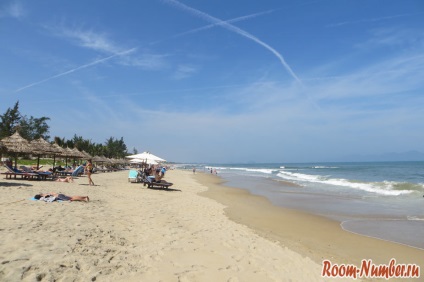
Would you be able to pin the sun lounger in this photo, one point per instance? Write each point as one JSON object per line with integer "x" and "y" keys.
{"x": 63, "y": 172}
{"x": 11, "y": 172}
{"x": 133, "y": 176}
{"x": 78, "y": 171}
{"x": 151, "y": 183}
{"x": 42, "y": 175}
{"x": 74, "y": 173}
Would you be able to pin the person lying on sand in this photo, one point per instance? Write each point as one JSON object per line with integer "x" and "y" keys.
{"x": 62, "y": 197}
{"x": 66, "y": 179}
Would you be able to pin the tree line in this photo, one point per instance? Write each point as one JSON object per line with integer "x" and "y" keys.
{"x": 32, "y": 128}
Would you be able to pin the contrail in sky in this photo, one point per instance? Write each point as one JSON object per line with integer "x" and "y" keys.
{"x": 235, "y": 29}
{"x": 215, "y": 22}
{"x": 214, "y": 25}
{"x": 76, "y": 69}
{"x": 220, "y": 23}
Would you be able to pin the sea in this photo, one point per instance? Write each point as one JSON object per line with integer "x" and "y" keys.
{"x": 383, "y": 200}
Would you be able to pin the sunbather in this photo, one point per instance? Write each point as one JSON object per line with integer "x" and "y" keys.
{"x": 68, "y": 179}
{"x": 8, "y": 163}
{"x": 158, "y": 175}
{"x": 62, "y": 197}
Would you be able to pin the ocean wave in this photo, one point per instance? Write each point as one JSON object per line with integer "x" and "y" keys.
{"x": 415, "y": 218}
{"x": 382, "y": 188}
{"x": 324, "y": 167}
{"x": 261, "y": 170}
{"x": 216, "y": 167}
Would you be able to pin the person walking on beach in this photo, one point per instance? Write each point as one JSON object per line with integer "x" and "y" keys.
{"x": 194, "y": 170}
{"x": 89, "y": 171}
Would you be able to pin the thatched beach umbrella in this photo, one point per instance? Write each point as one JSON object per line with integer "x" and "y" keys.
{"x": 72, "y": 154}
{"x": 65, "y": 152}
{"x": 15, "y": 145}
{"x": 42, "y": 147}
{"x": 60, "y": 152}
{"x": 100, "y": 159}
{"x": 86, "y": 155}
{"x": 97, "y": 159}
{"x": 78, "y": 153}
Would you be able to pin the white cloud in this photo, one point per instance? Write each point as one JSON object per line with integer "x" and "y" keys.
{"x": 89, "y": 39}
{"x": 101, "y": 42}
{"x": 145, "y": 61}
{"x": 383, "y": 37}
{"x": 372, "y": 20}
{"x": 184, "y": 71}
{"x": 13, "y": 10}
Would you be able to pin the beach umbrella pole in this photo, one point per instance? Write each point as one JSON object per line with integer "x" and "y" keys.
{"x": 16, "y": 161}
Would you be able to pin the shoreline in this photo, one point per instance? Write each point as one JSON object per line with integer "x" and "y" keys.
{"x": 310, "y": 235}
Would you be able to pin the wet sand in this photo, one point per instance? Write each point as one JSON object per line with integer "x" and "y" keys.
{"x": 310, "y": 235}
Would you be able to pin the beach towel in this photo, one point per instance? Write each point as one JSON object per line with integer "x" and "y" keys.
{"x": 47, "y": 200}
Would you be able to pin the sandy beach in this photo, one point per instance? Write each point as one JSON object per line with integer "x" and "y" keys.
{"x": 129, "y": 233}
{"x": 197, "y": 231}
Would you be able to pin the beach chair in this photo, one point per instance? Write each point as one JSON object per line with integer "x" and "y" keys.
{"x": 11, "y": 172}
{"x": 63, "y": 173}
{"x": 78, "y": 171}
{"x": 151, "y": 183}
{"x": 42, "y": 175}
{"x": 133, "y": 176}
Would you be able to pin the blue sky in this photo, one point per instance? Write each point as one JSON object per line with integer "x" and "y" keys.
{"x": 221, "y": 81}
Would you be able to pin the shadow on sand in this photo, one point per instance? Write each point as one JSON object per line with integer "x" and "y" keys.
{"x": 11, "y": 184}
{"x": 164, "y": 189}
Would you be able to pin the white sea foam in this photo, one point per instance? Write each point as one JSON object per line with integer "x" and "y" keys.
{"x": 379, "y": 187}
{"x": 414, "y": 218}
{"x": 324, "y": 167}
{"x": 261, "y": 170}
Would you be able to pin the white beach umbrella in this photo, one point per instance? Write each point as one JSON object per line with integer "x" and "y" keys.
{"x": 136, "y": 161}
{"x": 140, "y": 161}
{"x": 152, "y": 162}
{"x": 146, "y": 156}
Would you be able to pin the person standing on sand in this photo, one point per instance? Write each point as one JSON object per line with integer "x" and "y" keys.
{"x": 89, "y": 171}
{"x": 194, "y": 170}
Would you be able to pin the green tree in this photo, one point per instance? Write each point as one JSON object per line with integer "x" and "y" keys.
{"x": 33, "y": 128}
{"x": 10, "y": 121}
{"x": 112, "y": 148}
{"x": 59, "y": 141}
{"x": 115, "y": 148}
{"x": 81, "y": 144}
